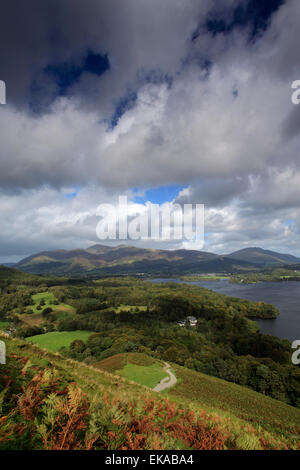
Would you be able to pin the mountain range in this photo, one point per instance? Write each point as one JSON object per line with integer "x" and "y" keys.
{"x": 124, "y": 259}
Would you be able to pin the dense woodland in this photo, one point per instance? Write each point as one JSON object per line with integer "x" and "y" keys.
{"x": 126, "y": 315}
{"x": 288, "y": 273}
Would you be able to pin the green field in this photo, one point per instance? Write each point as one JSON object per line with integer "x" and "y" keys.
{"x": 143, "y": 375}
{"x": 49, "y": 299}
{"x": 128, "y": 308}
{"x": 3, "y": 325}
{"x": 57, "y": 339}
{"x": 60, "y": 310}
{"x": 137, "y": 367}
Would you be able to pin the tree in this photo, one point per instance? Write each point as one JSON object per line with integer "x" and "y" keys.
{"x": 78, "y": 345}
{"x": 130, "y": 347}
{"x": 176, "y": 354}
{"x": 47, "y": 311}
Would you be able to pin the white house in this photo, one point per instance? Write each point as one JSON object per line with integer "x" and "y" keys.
{"x": 193, "y": 321}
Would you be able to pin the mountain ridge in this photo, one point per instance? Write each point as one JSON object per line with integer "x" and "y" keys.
{"x": 259, "y": 255}
{"x": 124, "y": 259}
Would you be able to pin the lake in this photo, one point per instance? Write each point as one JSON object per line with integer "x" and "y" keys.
{"x": 284, "y": 295}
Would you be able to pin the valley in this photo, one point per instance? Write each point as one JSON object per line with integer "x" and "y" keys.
{"x": 97, "y": 337}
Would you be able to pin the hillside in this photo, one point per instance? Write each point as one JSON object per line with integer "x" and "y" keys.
{"x": 214, "y": 394}
{"x": 104, "y": 260}
{"x": 263, "y": 258}
{"x": 12, "y": 274}
{"x": 100, "y": 259}
{"x": 49, "y": 402}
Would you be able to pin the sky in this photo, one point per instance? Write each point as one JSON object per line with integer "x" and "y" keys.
{"x": 180, "y": 101}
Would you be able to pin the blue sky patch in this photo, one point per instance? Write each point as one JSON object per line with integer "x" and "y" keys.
{"x": 287, "y": 223}
{"x": 72, "y": 194}
{"x": 159, "y": 195}
{"x": 67, "y": 74}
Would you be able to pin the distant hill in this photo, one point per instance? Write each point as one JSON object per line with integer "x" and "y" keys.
{"x": 120, "y": 259}
{"x": 263, "y": 258}
{"x": 14, "y": 274}
{"x": 123, "y": 259}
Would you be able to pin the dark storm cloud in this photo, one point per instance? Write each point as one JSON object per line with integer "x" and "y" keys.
{"x": 138, "y": 37}
{"x": 35, "y": 35}
{"x": 291, "y": 125}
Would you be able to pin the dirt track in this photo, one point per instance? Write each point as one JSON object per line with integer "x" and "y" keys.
{"x": 166, "y": 382}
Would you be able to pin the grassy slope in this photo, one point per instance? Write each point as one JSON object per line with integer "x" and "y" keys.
{"x": 15, "y": 274}
{"x": 208, "y": 402}
{"x": 32, "y": 319}
{"x": 228, "y": 398}
{"x": 49, "y": 298}
{"x": 118, "y": 361}
{"x": 36, "y": 318}
{"x": 144, "y": 375}
{"x": 140, "y": 368}
{"x": 57, "y": 339}
{"x": 242, "y": 402}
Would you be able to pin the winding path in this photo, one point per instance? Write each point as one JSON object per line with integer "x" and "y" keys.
{"x": 166, "y": 382}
